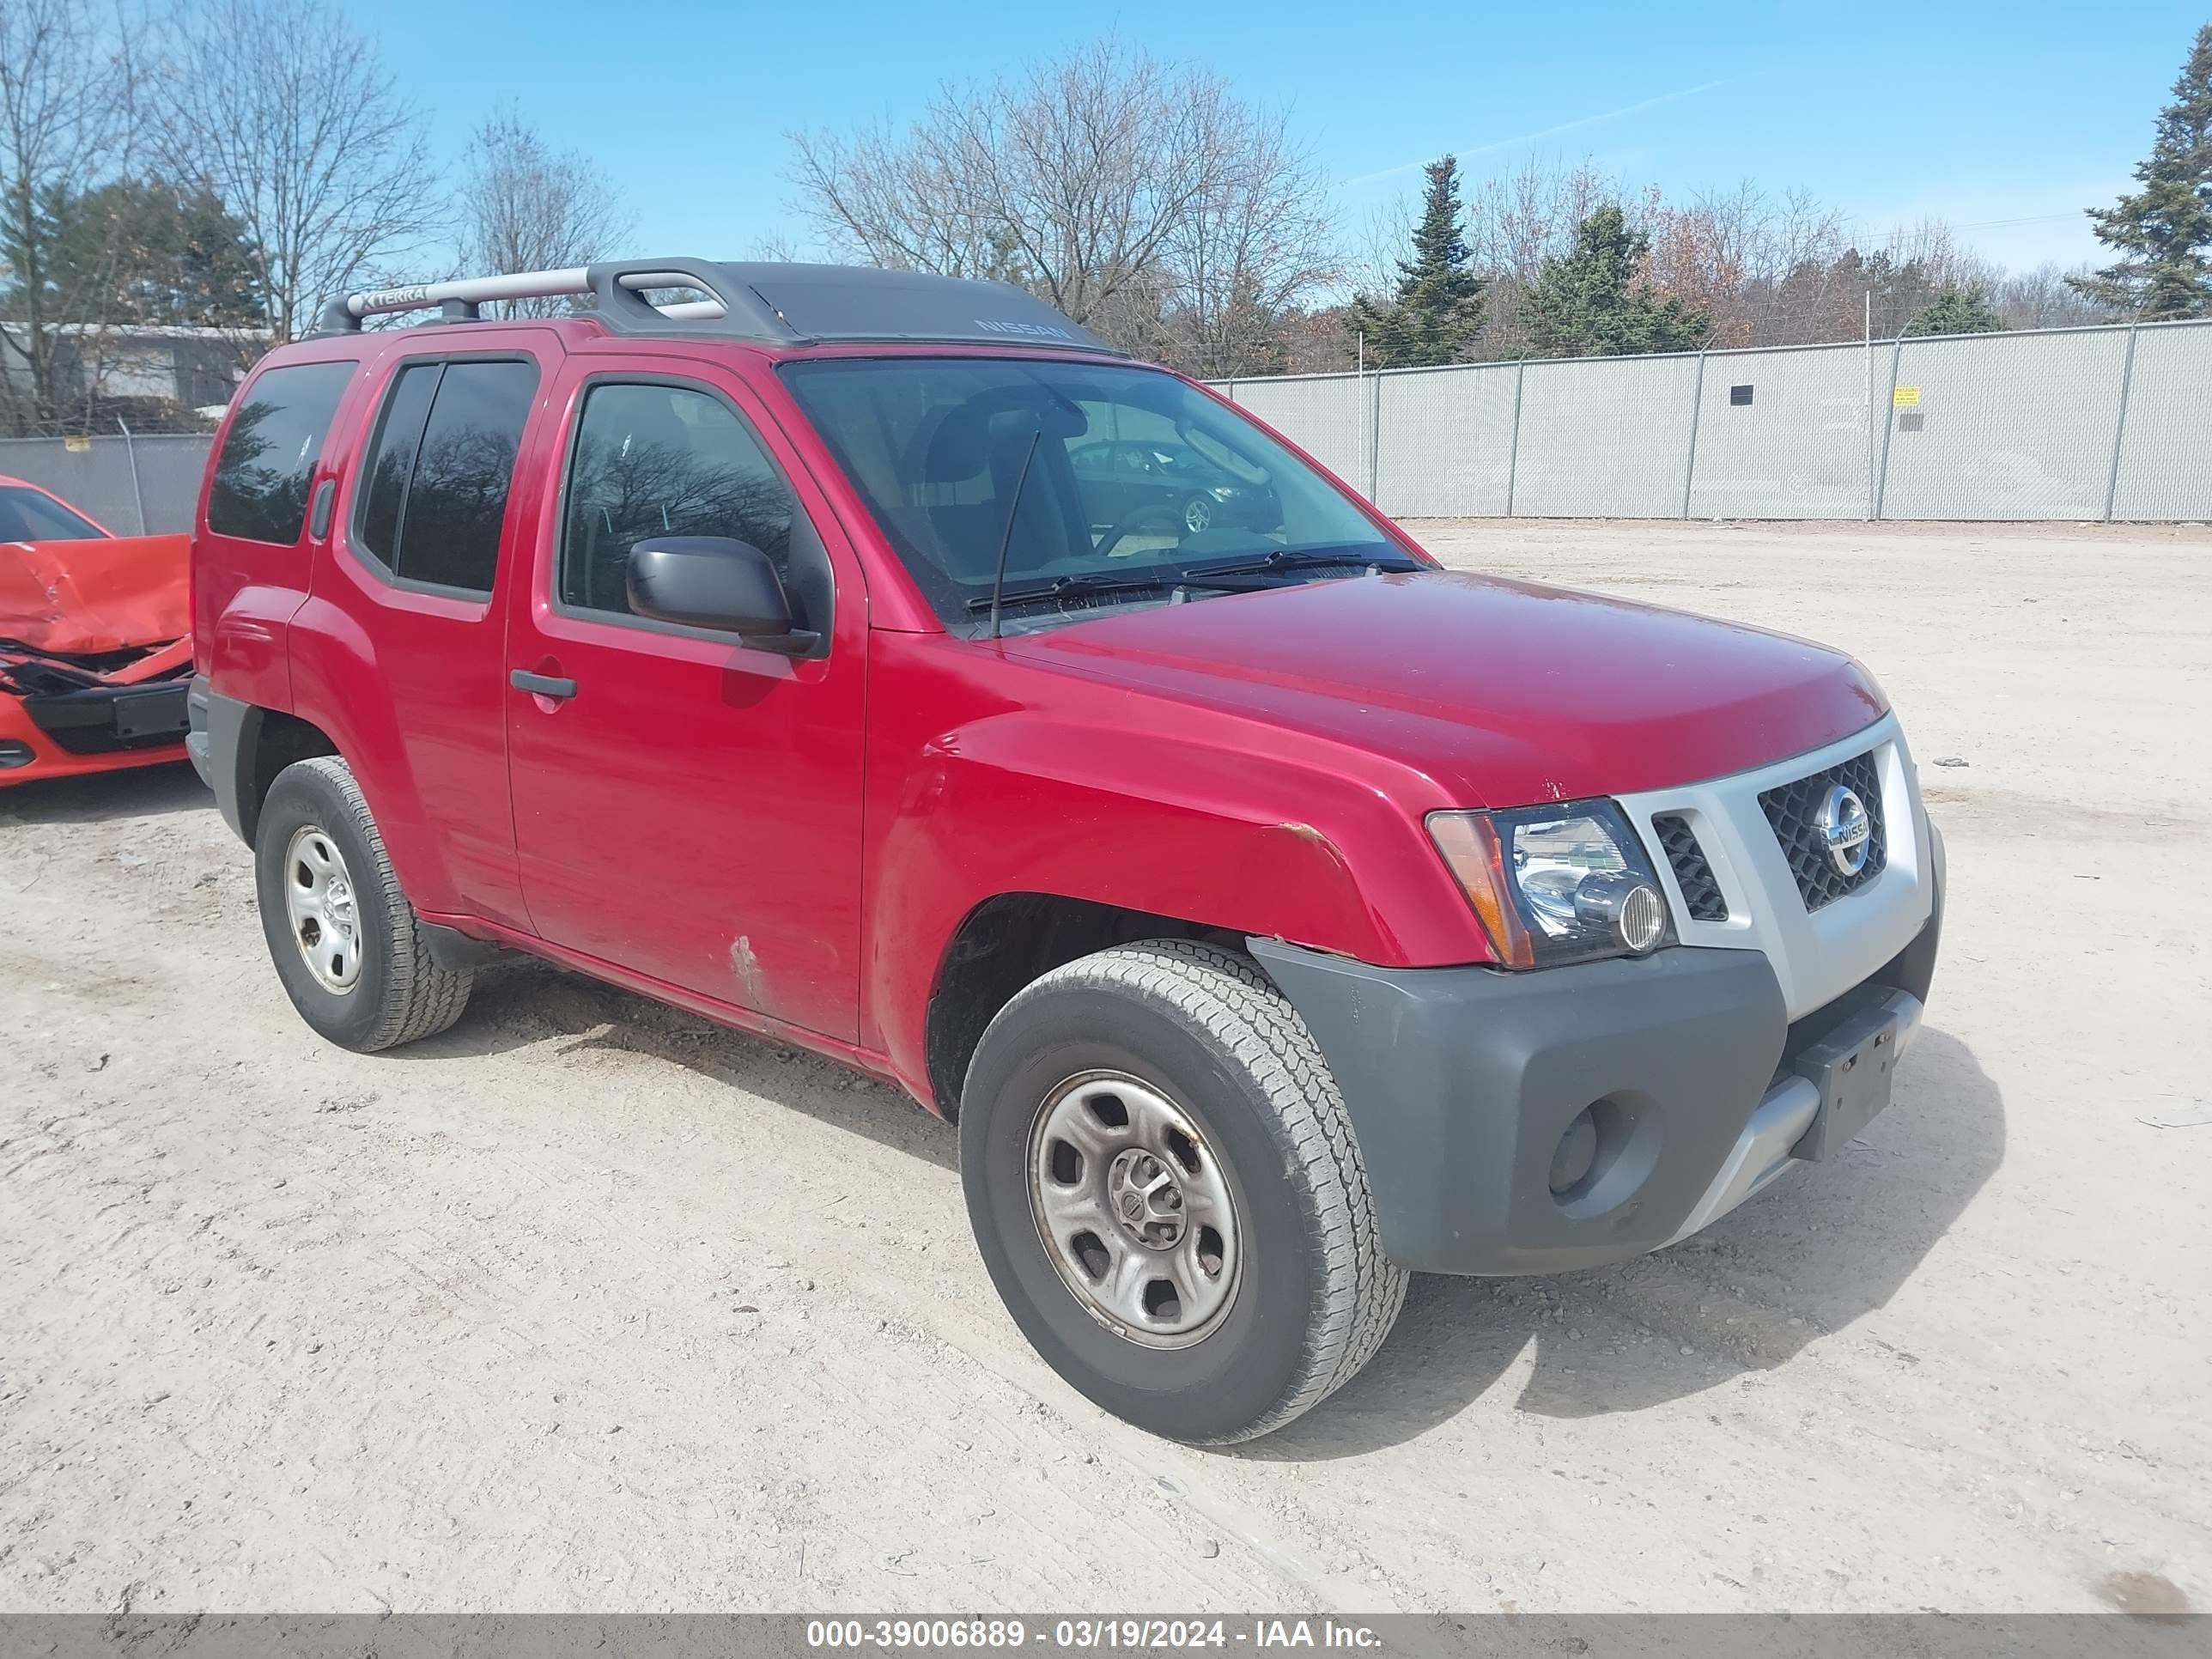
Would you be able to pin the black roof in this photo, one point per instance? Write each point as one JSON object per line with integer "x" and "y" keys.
{"x": 813, "y": 304}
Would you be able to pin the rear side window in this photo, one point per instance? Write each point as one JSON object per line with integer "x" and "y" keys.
{"x": 260, "y": 488}
{"x": 439, "y": 470}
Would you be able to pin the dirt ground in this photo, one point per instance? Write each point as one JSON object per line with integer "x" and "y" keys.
{"x": 589, "y": 1305}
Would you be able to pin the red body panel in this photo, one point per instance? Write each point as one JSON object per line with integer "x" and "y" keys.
{"x": 244, "y": 592}
{"x": 693, "y": 813}
{"x": 988, "y": 773}
{"x": 90, "y": 597}
{"x": 790, "y": 845}
{"x": 1497, "y": 693}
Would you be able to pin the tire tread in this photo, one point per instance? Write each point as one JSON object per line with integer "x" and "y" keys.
{"x": 422, "y": 997}
{"x": 1227, "y": 999}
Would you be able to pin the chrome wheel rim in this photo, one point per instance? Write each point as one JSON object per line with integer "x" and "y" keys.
{"x": 319, "y": 906}
{"x": 1134, "y": 1210}
{"x": 1197, "y": 514}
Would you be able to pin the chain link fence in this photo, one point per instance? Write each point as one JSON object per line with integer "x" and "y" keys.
{"x": 2086, "y": 423}
{"x": 136, "y": 486}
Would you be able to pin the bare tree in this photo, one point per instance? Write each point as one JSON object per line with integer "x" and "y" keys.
{"x": 1138, "y": 195}
{"x": 1731, "y": 254}
{"x": 901, "y": 202}
{"x": 290, "y": 120}
{"x": 1242, "y": 258}
{"x": 2048, "y": 297}
{"x": 1371, "y": 265}
{"x": 527, "y": 206}
{"x": 68, "y": 116}
{"x": 1518, "y": 220}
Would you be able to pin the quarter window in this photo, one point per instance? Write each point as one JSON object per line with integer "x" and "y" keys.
{"x": 259, "y": 491}
{"x": 666, "y": 460}
{"x": 440, "y": 469}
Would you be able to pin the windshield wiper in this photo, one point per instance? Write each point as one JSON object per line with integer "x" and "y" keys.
{"x": 1283, "y": 560}
{"x": 1213, "y": 578}
{"x": 1084, "y": 583}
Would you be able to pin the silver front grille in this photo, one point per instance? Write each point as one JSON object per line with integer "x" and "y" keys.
{"x": 1692, "y": 871}
{"x": 1794, "y": 810}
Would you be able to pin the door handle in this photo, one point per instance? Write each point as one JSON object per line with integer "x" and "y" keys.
{"x": 542, "y": 685}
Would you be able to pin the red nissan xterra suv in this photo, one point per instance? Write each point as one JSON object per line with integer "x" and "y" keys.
{"x": 880, "y": 663}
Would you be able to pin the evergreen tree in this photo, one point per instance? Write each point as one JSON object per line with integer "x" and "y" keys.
{"x": 1588, "y": 304}
{"x": 154, "y": 252}
{"x": 1436, "y": 316}
{"x": 2163, "y": 232}
{"x": 1956, "y": 311}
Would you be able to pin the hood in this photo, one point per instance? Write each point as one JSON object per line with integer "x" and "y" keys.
{"x": 1504, "y": 693}
{"x": 85, "y": 598}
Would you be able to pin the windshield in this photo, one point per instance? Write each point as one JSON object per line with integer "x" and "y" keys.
{"x": 1136, "y": 485}
{"x": 26, "y": 515}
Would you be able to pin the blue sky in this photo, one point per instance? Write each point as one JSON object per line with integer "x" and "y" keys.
{"x": 2005, "y": 119}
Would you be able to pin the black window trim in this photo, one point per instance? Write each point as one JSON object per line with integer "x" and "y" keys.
{"x": 361, "y": 464}
{"x": 551, "y": 589}
{"x": 324, "y": 465}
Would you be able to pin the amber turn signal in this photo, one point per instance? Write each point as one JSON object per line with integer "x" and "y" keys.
{"x": 1476, "y": 857}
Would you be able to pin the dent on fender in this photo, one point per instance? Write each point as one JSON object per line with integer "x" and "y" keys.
{"x": 1306, "y": 832}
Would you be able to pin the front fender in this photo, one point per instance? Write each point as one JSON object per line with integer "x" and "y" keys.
{"x": 1261, "y": 843}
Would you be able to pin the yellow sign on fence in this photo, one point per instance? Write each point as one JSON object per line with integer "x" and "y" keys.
{"x": 76, "y": 445}
{"x": 1905, "y": 397}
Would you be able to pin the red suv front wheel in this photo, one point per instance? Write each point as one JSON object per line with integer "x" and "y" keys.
{"x": 1165, "y": 1189}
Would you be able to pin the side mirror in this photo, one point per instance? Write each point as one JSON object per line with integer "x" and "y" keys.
{"x": 717, "y": 582}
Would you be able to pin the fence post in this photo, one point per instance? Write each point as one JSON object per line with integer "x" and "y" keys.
{"x": 2120, "y": 426}
{"x": 1697, "y": 408}
{"x": 1513, "y": 449}
{"x": 1375, "y": 439}
{"x": 1888, "y": 426}
{"x": 137, "y": 493}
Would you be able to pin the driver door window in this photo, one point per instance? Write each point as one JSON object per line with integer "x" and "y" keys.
{"x": 653, "y": 459}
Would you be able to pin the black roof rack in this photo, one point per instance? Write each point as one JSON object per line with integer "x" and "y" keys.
{"x": 773, "y": 304}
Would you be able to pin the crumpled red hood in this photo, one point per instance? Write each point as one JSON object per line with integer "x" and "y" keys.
{"x": 66, "y": 598}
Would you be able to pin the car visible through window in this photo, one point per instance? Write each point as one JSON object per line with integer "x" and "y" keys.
{"x": 1103, "y": 482}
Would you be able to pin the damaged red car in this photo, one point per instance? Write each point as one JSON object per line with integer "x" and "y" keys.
{"x": 95, "y": 641}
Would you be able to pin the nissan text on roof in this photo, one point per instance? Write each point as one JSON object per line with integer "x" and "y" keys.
{"x": 1275, "y": 912}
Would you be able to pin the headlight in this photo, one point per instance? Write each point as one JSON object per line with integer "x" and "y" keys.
{"x": 1568, "y": 883}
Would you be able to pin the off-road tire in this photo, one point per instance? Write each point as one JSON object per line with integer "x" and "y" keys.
{"x": 1209, "y": 1030}
{"x": 403, "y": 993}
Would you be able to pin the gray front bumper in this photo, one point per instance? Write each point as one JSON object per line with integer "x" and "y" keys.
{"x": 1776, "y": 1138}
{"x": 1461, "y": 1081}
